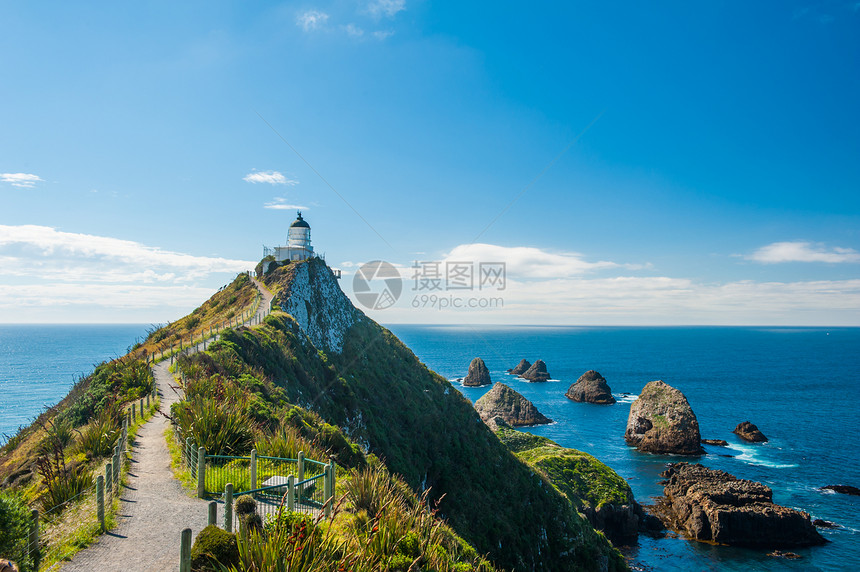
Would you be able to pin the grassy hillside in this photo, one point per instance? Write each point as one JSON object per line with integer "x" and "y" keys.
{"x": 327, "y": 380}
{"x": 59, "y": 454}
{"x": 377, "y": 392}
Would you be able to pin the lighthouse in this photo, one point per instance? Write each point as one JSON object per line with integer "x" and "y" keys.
{"x": 298, "y": 242}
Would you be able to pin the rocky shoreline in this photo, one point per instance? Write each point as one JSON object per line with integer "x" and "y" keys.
{"x": 715, "y": 506}
{"x": 700, "y": 503}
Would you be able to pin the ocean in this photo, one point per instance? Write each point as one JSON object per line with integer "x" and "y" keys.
{"x": 798, "y": 385}
{"x": 40, "y": 363}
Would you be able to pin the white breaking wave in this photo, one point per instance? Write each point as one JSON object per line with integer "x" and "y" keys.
{"x": 753, "y": 455}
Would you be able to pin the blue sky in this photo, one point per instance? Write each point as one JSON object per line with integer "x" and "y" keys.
{"x": 631, "y": 163}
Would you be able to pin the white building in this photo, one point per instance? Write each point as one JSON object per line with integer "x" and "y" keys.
{"x": 298, "y": 242}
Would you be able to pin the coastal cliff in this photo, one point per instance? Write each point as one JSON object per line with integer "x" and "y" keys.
{"x": 356, "y": 375}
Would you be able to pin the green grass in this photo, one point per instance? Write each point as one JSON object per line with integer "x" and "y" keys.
{"x": 379, "y": 394}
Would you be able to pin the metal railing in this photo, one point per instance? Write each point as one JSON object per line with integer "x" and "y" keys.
{"x": 302, "y": 485}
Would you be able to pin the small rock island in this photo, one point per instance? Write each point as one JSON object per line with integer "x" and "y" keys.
{"x": 591, "y": 387}
{"x": 478, "y": 374}
{"x": 517, "y": 411}
{"x": 520, "y": 368}
{"x": 537, "y": 372}
{"x": 749, "y": 432}
{"x": 662, "y": 421}
{"x": 714, "y": 506}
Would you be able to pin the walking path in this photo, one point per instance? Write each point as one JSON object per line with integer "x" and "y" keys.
{"x": 153, "y": 506}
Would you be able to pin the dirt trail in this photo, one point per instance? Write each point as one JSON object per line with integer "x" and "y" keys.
{"x": 153, "y": 506}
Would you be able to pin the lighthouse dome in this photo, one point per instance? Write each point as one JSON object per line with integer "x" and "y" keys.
{"x": 300, "y": 222}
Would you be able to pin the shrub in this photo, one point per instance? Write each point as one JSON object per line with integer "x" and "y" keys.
{"x": 15, "y": 524}
{"x": 223, "y": 428}
{"x": 286, "y": 444}
{"x": 58, "y": 433}
{"x": 62, "y": 482}
{"x": 245, "y": 505}
{"x": 371, "y": 490}
{"x": 212, "y": 547}
{"x": 344, "y": 453}
{"x": 98, "y": 438}
{"x": 114, "y": 381}
{"x": 288, "y": 521}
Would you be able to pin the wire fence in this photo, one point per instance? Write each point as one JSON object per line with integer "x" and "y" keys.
{"x": 97, "y": 496}
{"x": 275, "y": 483}
{"x": 252, "y": 316}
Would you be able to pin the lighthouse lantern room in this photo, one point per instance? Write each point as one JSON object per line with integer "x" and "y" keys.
{"x": 298, "y": 242}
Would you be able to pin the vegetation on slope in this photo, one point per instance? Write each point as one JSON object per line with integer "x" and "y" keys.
{"x": 382, "y": 398}
{"x": 381, "y": 524}
{"x": 57, "y": 456}
{"x": 582, "y": 478}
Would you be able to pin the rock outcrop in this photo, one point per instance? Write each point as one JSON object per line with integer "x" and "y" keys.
{"x": 505, "y": 403}
{"x": 537, "y": 372}
{"x": 714, "y": 506}
{"x": 662, "y": 421}
{"x": 591, "y": 387}
{"x": 716, "y": 442}
{"x": 478, "y": 374}
{"x": 520, "y": 368}
{"x": 749, "y": 432}
{"x": 312, "y": 296}
{"x": 843, "y": 489}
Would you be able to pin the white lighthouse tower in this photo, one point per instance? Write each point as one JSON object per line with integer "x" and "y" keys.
{"x": 298, "y": 242}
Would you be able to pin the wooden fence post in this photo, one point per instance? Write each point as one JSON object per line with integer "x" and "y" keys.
{"x": 100, "y": 499}
{"x": 301, "y": 468}
{"x": 109, "y": 478}
{"x": 34, "y": 538}
{"x": 228, "y": 507}
{"x": 213, "y": 513}
{"x": 141, "y": 409}
{"x": 327, "y": 491}
{"x": 201, "y": 472}
{"x": 116, "y": 467}
{"x": 185, "y": 551}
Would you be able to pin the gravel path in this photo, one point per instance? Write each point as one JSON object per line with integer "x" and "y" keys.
{"x": 153, "y": 506}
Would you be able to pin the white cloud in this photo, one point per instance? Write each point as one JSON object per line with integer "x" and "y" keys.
{"x": 112, "y": 297}
{"x": 531, "y": 263}
{"x": 387, "y": 8}
{"x": 638, "y": 300}
{"x": 382, "y": 34}
{"x": 353, "y": 31}
{"x": 281, "y": 204}
{"x": 801, "y": 251}
{"x": 23, "y": 180}
{"x": 561, "y": 288}
{"x": 311, "y": 20}
{"x": 271, "y": 177}
{"x": 46, "y": 253}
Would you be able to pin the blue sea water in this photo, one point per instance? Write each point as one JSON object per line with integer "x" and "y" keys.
{"x": 799, "y": 385}
{"x": 39, "y": 364}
